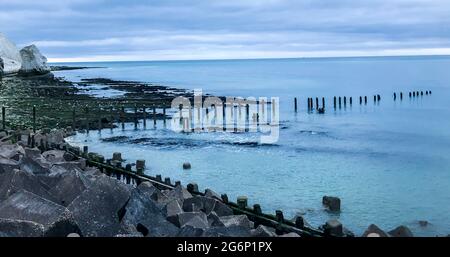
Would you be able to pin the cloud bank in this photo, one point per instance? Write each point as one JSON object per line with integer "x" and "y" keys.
{"x": 112, "y": 30}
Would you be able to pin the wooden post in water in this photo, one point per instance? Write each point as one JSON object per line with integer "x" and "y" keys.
{"x": 360, "y": 100}
{"x": 242, "y": 202}
{"x": 154, "y": 116}
{"x": 401, "y": 95}
{"x": 122, "y": 117}
{"x": 334, "y": 100}
{"x": 144, "y": 114}
{"x": 164, "y": 114}
{"x": 135, "y": 116}
{"x": 295, "y": 104}
{"x": 351, "y": 100}
{"x": 395, "y": 96}
{"x": 345, "y": 101}
{"x": 34, "y": 119}
{"x": 340, "y": 101}
{"x": 317, "y": 103}
{"x": 365, "y": 99}
{"x": 323, "y": 103}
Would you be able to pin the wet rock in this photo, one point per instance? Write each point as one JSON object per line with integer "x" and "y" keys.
{"x": 96, "y": 209}
{"x": 7, "y": 165}
{"x": 144, "y": 213}
{"x": 12, "y": 151}
{"x": 423, "y": 223}
{"x": 214, "y": 220}
{"x": 292, "y": 234}
{"x": 182, "y": 219}
{"x": 33, "y": 62}
{"x": 73, "y": 235}
{"x": 374, "y": 231}
{"x": 236, "y": 220}
{"x": 211, "y": 194}
{"x": 20, "y": 228}
{"x": 55, "y": 156}
{"x": 186, "y": 166}
{"x": 69, "y": 187}
{"x": 34, "y": 166}
{"x": 334, "y": 228}
{"x": 207, "y": 205}
{"x": 172, "y": 208}
{"x": 153, "y": 193}
{"x": 189, "y": 231}
{"x": 401, "y": 231}
{"x": 332, "y": 203}
{"x": 198, "y": 222}
{"x": 23, "y": 205}
{"x": 232, "y": 231}
{"x": 16, "y": 180}
{"x": 263, "y": 231}
{"x": 179, "y": 193}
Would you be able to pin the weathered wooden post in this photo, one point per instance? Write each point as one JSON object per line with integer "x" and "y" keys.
{"x": 365, "y": 99}
{"x": 317, "y": 103}
{"x": 374, "y": 98}
{"x": 86, "y": 112}
{"x": 279, "y": 216}
{"x": 257, "y": 209}
{"x": 4, "y": 117}
{"x": 85, "y": 149}
{"x": 351, "y": 100}
{"x": 135, "y": 116}
{"x": 360, "y": 100}
{"x": 345, "y": 101}
{"x": 378, "y": 98}
{"x": 421, "y": 93}
{"x": 154, "y": 116}
{"x": 164, "y": 114}
{"x": 140, "y": 166}
{"x": 34, "y": 119}
{"x": 401, "y": 95}
{"x": 73, "y": 118}
{"x": 323, "y": 103}
{"x": 144, "y": 114}
{"x": 409, "y": 94}
{"x": 242, "y": 202}
{"x": 295, "y": 104}
{"x": 414, "y": 93}
{"x": 340, "y": 100}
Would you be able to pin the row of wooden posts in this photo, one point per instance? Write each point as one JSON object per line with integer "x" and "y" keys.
{"x": 338, "y": 101}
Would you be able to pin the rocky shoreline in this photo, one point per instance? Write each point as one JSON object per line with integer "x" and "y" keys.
{"x": 55, "y": 194}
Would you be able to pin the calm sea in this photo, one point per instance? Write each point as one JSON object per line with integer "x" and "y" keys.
{"x": 388, "y": 162}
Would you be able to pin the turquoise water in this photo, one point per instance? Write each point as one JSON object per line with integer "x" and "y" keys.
{"x": 388, "y": 162}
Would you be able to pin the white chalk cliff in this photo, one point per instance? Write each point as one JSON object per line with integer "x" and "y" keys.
{"x": 33, "y": 62}
{"x": 9, "y": 55}
{"x": 28, "y": 61}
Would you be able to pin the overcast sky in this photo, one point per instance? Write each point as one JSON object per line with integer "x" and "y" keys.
{"x": 101, "y": 30}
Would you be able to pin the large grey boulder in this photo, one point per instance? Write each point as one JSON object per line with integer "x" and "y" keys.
{"x": 263, "y": 231}
{"x": 374, "y": 231}
{"x": 179, "y": 193}
{"x": 153, "y": 193}
{"x": 20, "y": 228}
{"x": 194, "y": 219}
{"x": 56, "y": 219}
{"x": 16, "y": 180}
{"x": 96, "y": 209}
{"x": 145, "y": 214}
{"x": 332, "y": 203}
{"x": 207, "y": 205}
{"x": 69, "y": 187}
{"x": 12, "y": 151}
{"x": 401, "y": 231}
{"x": 232, "y": 231}
{"x": 33, "y": 62}
{"x": 237, "y": 220}
{"x": 9, "y": 55}
{"x": 8, "y": 165}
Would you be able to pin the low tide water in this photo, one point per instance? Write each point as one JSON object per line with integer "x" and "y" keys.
{"x": 389, "y": 162}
